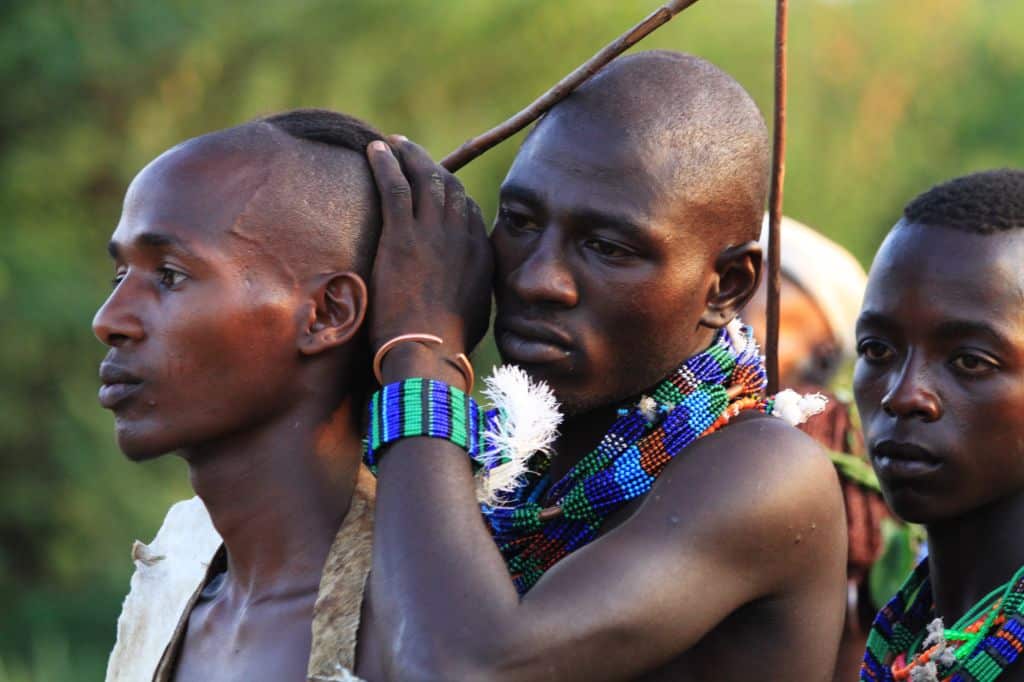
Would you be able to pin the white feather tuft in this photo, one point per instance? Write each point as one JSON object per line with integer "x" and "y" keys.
{"x": 737, "y": 335}
{"x": 795, "y": 409}
{"x": 648, "y": 407}
{"x": 529, "y": 424}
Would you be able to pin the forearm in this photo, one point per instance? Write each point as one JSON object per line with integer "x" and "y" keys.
{"x": 439, "y": 584}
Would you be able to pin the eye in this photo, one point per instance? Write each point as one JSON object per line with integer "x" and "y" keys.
{"x": 170, "y": 278}
{"x": 874, "y": 351}
{"x": 515, "y": 221}
{"x": 973, "y": 364}
{"x": 606, "y": 248}
{"x": 118, "y": 276}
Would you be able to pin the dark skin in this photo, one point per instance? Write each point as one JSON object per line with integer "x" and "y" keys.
{"x": 808, "y": 357}
{"x": 940, "y": 389}
{"x": 740, "y": 544}
{"x": 218, "y": 350}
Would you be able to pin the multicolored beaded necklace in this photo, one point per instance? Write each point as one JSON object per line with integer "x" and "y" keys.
{"x": 978, "y": 648}
{"x": 696, "y": 399}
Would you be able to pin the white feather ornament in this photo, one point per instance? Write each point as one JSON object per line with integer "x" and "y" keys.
{"x": 529, "y": 425}
{"x": 795, "y": 409}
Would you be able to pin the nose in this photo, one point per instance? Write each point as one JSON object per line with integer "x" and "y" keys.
{"x": 543, "y": 276}
{"x": 910, "y": 396}
{"x": 116, "y": 322}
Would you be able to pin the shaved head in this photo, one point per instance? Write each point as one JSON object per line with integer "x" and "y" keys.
{"x": 239, "y": 292}
{"x": 700, "y": 135}
{"x": 293, "y": 189}
{"x": 630, "y": 215}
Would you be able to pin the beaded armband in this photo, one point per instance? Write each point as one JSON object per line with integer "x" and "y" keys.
{"x": 423, "y": 407}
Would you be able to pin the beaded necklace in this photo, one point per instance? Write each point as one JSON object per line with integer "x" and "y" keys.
{"x": 696, "y": 399}
{"x": 978, "y": 648}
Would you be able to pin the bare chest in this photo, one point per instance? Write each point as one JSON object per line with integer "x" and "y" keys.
{"x": 268, "y": 641}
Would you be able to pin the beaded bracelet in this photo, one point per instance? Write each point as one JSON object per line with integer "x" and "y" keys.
{"x": 423, "y": 407}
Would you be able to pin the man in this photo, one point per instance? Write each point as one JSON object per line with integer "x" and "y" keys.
{"x": 822, "y": 288}
{"x": 625, "y": 243}
{"x": 235, "y": 335}
{"x": 940, "y": 388}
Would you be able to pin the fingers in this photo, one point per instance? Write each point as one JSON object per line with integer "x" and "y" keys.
{"x": 411, "y": 184}
{"x": 395, "y": 192}
{"x": 454, "y": 203}
{"x": 426, "y": 177}
{"x": 475, "y": 219}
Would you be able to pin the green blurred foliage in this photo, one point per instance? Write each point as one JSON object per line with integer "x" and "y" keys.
{"x": 886, "y": 99}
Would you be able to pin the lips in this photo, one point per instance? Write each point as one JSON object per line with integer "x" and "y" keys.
{"x": 531, "y": 342}
{"x": 897, "y": 460}
{"x": 118, "y": 385}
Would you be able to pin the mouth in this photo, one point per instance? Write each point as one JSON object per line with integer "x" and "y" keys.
{"x": 896, "y": 460}
{"x": 118, "y": 384}
{"x": 531, "y": 343}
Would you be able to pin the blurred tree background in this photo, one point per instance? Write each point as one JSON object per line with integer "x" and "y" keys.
{"x": 886, "y": 99}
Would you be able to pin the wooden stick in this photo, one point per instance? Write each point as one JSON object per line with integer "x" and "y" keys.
{"x": 476, "y": 146}
{"x": 775, "y": 198}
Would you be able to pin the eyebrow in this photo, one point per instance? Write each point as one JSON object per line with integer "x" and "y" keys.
{"x": 151, "y": 240}
{"x": 956, "y": 328}
{"x": 868, "y": 318}
{"x": 611, "y": 220}
{"x": 946, "y": 329}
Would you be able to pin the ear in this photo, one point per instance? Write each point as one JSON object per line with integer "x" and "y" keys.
{"x": 337, "y": 314}
{"x": 737, "y": 272}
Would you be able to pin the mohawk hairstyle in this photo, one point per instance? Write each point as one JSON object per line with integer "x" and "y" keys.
{"x": 329, "y": 127}
{"x": 337, "y": 132}
{"x": 983, "y": 203}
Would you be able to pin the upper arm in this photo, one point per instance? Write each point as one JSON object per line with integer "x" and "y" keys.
{"x": 750, "y": 512}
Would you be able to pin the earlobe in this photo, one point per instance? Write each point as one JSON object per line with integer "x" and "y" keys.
{"x": 737, "y": 272}
{"x": 337, "y": 314}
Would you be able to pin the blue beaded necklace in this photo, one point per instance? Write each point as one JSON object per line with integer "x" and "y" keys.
{"x": 692, "y": 401}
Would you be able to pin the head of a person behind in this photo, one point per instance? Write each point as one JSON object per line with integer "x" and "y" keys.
{"x": 627, "y": 227}
{"x": 821, "y": 288}
{"x": 939, "y": 381}
{"x": 239, "y": 295}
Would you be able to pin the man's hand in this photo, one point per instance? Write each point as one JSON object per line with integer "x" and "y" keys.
{"x": 432, "y": 273}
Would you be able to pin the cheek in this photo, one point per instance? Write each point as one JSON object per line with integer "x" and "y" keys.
{"x": 230, "y": 348}
{"x": 992, "y": 429}
{"x": 868, "y": 390}
{"x": 505, "y": 255}
{"x": 644, "y": 334}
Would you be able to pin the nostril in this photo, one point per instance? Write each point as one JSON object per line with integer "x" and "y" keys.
{"x": 116, "y": 340}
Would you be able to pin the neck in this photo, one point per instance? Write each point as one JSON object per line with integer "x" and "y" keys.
{"x": 578, "y": 435}
{"x": 971, "y": 555}
{"x": 581, "y": 432}
{"x": 277, "y": 495}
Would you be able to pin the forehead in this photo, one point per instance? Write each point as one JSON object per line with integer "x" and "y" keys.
{"x": 925, "y": 275}
{"x": 195, "y": 191}
{"x": 590, "y": 165}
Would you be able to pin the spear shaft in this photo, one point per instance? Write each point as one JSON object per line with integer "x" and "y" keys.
{"x": 775, "y": 198}
{"x": 472, "y": 148}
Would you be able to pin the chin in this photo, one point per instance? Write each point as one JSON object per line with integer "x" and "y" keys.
{"x": 139, "y": 447}
{"x": 914, "y": 507}
{"x": 580, "y": 402}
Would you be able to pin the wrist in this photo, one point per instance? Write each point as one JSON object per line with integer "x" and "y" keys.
{"x": 413, "y": 359}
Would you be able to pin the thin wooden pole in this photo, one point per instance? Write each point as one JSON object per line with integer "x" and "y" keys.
{"x": 775, "y": 198}
{"x": 476, "y": 146}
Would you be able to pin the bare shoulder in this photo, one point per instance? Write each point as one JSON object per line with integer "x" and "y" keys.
{"x": 762, "y": 455}
{"x": 753, "y": 492}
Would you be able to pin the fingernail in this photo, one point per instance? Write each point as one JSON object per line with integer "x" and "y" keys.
{"x": 402, "y": 138}
{"x": 378, "y": 146}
